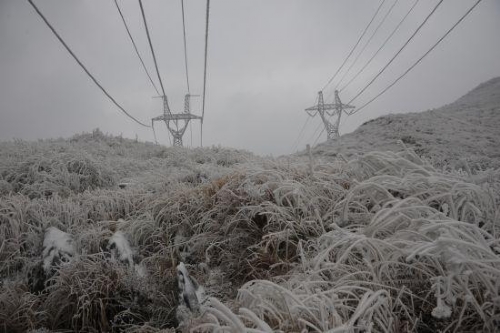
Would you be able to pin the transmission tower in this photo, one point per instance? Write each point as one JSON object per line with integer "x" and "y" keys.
{"x": 332, "y": 130}
{"x": 174, "y": 119}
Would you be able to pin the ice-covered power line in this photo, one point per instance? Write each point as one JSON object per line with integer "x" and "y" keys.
{"x": 82, "y": 65}
{"x": 367, "y": 43}
{"x": 397, "y": 53}
{"x": 354, "y": 47}
{"x": 381, "y": 46}
{"x": 185, "y": 45}
{"x": 419, "y": 59}
{"x": 205, "y": 71}
{"x": 135, "y": 47}
{"x": 151, "y": 47}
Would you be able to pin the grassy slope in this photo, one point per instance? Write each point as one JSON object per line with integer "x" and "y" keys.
{"x": 382, "y": 242}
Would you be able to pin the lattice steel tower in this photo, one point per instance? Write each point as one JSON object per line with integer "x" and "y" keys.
{"x": 168, "y": 117}
{"x": 332, "y": 130}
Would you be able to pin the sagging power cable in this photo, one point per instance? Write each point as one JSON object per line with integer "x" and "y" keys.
{"x": 205, "y": 71}
{"x": 381, "y": 46}
{"x": 151, "y": 47}
{"x": 135, "y": 47}
{"x": 83, "y": 66}
{"x": 397, "y": 53}
{"x": 420, "y": 59}
{"x": 354, "y": 47}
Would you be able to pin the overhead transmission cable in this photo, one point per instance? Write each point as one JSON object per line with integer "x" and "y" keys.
{"x": 164, "y": 96}
{"x": 152, "y": 49}
{"x": 185, "y": 44}
{"x": 83, "y": 66}
{"x": 367, "y": 43}
{"x": 397, "y": 53}
{"x": 354, "y": 47}
{"x": 205, "y": 71}
{"x": 186, "y": 63}
{"x": 381, "y": 46}
{"x": 421, "y": 58}
{"x": 135, "y": 47}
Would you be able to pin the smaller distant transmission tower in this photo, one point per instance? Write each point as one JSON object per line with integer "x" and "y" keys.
{"x": 332, "y": 130}
{"x": 168, "y": 117}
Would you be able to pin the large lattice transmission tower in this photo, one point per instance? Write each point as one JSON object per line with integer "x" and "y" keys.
{"x": 179, "y": 120}
{"x": 333, "y": 109}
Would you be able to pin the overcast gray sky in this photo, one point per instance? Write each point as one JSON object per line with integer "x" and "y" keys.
{"x": 267, "y": 61}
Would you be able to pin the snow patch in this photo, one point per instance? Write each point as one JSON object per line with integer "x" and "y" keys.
{"x": 58, "y": 247}
{"x": 120, "y": 249}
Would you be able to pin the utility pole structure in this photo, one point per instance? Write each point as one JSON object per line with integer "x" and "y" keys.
{"x": 332, "y": 130}
{"x": 168, "y": 117}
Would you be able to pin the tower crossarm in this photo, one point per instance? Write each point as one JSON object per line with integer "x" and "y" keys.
{"x": 177, "y": 116}
{"x": 330, "y": 106}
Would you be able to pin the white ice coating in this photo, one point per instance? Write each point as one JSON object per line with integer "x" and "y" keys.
{"x": 57, "y": 245}
{"x": 121, "y": 249}
{"x": 190, "y": 292}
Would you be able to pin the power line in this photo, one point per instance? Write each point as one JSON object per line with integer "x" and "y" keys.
{"x": 151, "y": 46}
{"x": 205, "y": 71}
{"x": 83, "y": 66}
{"x": 397, "y": 53}
{"x": 185, "y": 46}
{"x": 421, "y": 58}
{"x": 382, "y": 46}
{"x": 135, "y": 47}
{"x": 186, "y": 62}
{"x": 367, "y": 42}
{"x": 352, "y": 50}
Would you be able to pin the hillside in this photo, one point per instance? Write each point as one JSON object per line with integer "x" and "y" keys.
{"x": 104, "y": 234}
{"x": 463, "y": 134}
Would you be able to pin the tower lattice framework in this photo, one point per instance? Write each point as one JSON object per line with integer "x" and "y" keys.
{"x": 332, "y": 109}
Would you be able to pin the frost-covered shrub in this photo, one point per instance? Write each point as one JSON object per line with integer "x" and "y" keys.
{"x": 381, "y": 243}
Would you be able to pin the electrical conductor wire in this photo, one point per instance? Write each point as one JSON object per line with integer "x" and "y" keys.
{"x": 83, "y": 66}
{"x": 397, "y": 53}
{"x": 135, "y": 47}
{"x": 352, "y": 50}
{"x": 420, "y": 59}
{"x": 367, "y": 43}
{"x": 381, "y": 46}
{"x": 205, "y": 71}
{"x": 151, "y": 47}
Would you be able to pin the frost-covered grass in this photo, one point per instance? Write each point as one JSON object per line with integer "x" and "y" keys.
{"x": 380, "y": 243}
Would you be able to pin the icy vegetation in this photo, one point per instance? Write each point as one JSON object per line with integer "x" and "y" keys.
{"x": 230, "y": 242}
